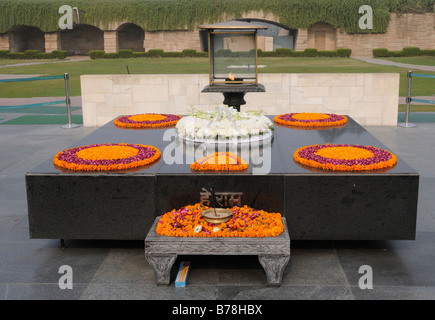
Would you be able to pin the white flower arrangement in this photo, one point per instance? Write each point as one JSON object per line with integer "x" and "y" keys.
{"x": 224, "y": 123}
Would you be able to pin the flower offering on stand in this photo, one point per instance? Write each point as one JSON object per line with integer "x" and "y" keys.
{"x": 245, "y": 222}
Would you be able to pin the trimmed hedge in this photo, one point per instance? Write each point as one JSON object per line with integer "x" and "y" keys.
{"x": 96, "y": 54}
{"x": 33, "y": 54}
{"x": 405, "y": 52}
{"x": 190, "y": 53}
{"x": 309, "y": 52}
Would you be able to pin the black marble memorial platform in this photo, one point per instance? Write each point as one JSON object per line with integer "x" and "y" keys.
{"x": 317, "y": 205}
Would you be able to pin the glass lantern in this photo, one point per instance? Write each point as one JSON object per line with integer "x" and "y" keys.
{"x": 232, "y": 48}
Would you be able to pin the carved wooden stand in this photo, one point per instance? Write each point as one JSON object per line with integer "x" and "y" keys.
{"x": 273, "y": 252}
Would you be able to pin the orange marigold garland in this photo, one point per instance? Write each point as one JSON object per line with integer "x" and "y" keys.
{"x": 344, "y": 157}
{"x": 147, "y": 120}
{"x": 220, "y": 161}
{"x": 105, "y": 157}
{"x": 246, "y": 222}
{"x": 311, "y": 119}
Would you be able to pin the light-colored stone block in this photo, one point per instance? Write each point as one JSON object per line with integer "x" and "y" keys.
{"x": 356, "y": 94}
{"x": 153, "y": 79}
{"x": 119, "y": 100}
{"x": 339, "y": 91}
{"x": 150, "y": 93}
{"x": 365, "y": 97}
{"x": 146, "y": 107}
{"x": 336, "y": 80}
{"x": 305, "y": 108}
{"x": 307, "y": 80}
{"x": 297, "y": 97}
{"x": 331, "y": 104}
{"x": 314, "y": 92}
{"x": 96, "y": 84}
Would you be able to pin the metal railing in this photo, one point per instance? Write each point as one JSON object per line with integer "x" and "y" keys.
{"x": 409, "y": 99}
{"x": 67, "y": 100}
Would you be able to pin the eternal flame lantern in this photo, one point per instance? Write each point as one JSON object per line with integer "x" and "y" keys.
{"x": 233, "y": 63}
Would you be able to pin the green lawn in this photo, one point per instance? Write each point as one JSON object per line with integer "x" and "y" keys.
{"x": 417, "y": 108}
{"x": 56, "y": 88}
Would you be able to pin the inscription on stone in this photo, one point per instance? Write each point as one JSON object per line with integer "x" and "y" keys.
{"x": 224, "y": 199}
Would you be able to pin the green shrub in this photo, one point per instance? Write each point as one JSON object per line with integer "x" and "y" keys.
{"x": 326, "y": 54}
{"x": 140, "y": 54}
{"x": 428, "y": 53}
{"x": 282, "y": 52}
{"x": 173, "y": 54}
{"x": 31, "y": 54}
{"x": 380, "y": 52}
{"x": 189, "y": 53}
{"x": 298, "y": 54}
{"x": 16, "y": 55}
{"x": 125, "y": 53}
{"x": 405, "y": 52}
{"x": 344, "y": 52}
{"x": 44, "y": 55}
{"x": 111, "y": 55}
{"x": 410, "y": 52}
{"x": 202, "y": 54}
{"x": 59, "y": 54}
{"x": 4, "y": 54}
{"x": 261, "y": 53}
{"x": 310, "y": 52}
{"x": 155, "y": 53}
{"x": 397, "y": 53}
{"x": 96, "y": 54}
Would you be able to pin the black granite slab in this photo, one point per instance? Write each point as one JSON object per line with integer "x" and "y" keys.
{"x": 318, "y": 205}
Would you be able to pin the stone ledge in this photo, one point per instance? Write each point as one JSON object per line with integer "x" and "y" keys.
{"x": 366, "y": 96}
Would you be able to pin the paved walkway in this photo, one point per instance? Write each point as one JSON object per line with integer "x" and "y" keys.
{"x": 397, "y": 64}
{"x": 68, "y": 59}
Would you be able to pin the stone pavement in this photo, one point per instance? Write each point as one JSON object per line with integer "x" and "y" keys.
{"x": 397, "y": 64}
{"x": 29, "y": 268}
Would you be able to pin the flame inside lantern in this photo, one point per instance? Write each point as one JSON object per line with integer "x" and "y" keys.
{"x": 230, "y": 76}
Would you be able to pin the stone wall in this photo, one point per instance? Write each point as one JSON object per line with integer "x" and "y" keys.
{"x": 173, "y": 40}
{"x": 82, "y": 39}
{"x": 407, "y": 30}
{"x": 4, "y": 41}
{"x": 370, "y": 99}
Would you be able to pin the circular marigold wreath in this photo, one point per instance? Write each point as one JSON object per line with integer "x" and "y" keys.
{"x": 220, "y": 161}
{"x": 344, "y": 157}
{"x": 147, "y": 120}
{"x": 105, "y": 157}
{"x": 311, "y": 119}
